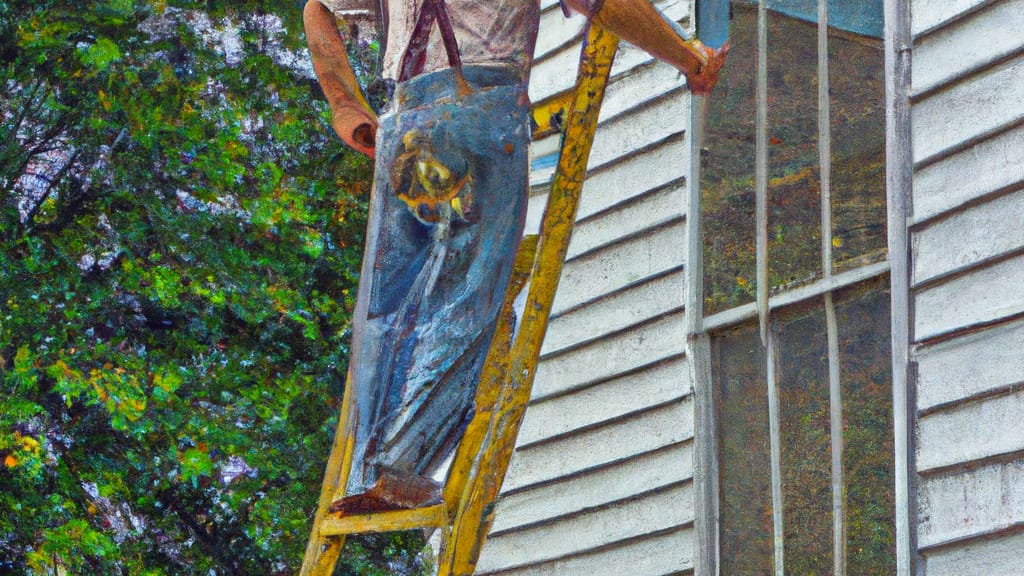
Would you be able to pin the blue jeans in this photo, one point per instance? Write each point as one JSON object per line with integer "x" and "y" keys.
{"x": 428, "y": 299}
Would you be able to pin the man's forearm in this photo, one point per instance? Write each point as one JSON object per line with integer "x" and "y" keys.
{"x": 351, "y": 116}
{"x": 639, "y": 23}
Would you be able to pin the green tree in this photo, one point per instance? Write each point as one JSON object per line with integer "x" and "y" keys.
{"x": 180, "y": 236}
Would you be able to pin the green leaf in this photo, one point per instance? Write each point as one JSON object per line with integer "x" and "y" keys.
{"x": 194, "y": 464}
{"x": 101, "y": 54}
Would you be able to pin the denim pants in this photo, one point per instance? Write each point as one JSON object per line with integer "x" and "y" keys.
{"x": 428, "y": 298}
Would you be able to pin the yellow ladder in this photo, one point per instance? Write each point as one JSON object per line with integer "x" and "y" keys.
{"x": 482, "y": 457}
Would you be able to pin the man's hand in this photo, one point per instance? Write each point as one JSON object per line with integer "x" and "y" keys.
{"x": 704, "y": 79}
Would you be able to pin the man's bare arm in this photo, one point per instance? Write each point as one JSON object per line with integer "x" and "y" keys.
{"x": 351, "y": 116}
{"x": 639, "y": 23}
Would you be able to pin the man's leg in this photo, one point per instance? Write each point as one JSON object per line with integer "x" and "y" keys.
{"x": 418, "y": 356}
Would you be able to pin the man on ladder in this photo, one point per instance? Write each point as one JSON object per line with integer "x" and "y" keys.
{"x": 446, "y": 215}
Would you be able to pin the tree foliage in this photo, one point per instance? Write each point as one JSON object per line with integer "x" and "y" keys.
{"x": 180, "y": 236}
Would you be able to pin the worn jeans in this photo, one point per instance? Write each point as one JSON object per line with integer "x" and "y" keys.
{"x": 428, "y": 301}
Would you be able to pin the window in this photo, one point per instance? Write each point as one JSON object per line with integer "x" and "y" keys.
{"x": 791, "y": 322}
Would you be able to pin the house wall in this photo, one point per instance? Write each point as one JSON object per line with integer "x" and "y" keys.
{"x": 601, "y": 479}
{"x": 966, "y": 301}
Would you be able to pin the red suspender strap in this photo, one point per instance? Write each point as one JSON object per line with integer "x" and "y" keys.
{"x": 447, "y": 34}
{"x": 415, "y": 56}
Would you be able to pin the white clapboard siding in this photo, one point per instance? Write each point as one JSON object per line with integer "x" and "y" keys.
{"x": 614, "y": 313}
{"x": 979, "y": 105}
{"x": 555, "y": 72}
{"x": 603, "y": 190}
{"x": 589, "y": 530}
{"x": 931, "y": 14}
{"x": 598, "y": 274}
{"x": 618, "y": 482}
{"x": 624, "y": 135}
{"x": 933, "y": 64}
{"x": 662, "y": 554}
{"x": 604, "y": 402}
{"x": 967, "y": 271}
{"x": 975, "y": 234}
{"x": 983, "y": 558}
{"x": 972, "y": 366}
{"x": 654, "y": 209}
{"x": 559, "y": 31}
{"x": 650, "y": 80}
{"x": 993, "y": 165}
{"x": 978, "y": 502}
{"x": 982, "y": 297}
{"x": 602, "y": 360}
{"x": 591, "y": 448}
{"x": 974, "y": 431}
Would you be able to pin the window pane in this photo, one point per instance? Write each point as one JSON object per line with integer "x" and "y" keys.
{"x": 794, "y": 180}
{"x": 745, "y": 508}
{"x": 858, "y": 148}
{"x": 727, "y": 172}
{"x": 804, "y": 418}
{"x": 868, "y": 455}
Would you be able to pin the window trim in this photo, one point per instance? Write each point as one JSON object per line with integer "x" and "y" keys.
{"x": 899, "y": 174}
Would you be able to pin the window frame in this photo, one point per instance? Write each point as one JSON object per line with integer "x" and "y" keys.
{"x": 700, "y": 328}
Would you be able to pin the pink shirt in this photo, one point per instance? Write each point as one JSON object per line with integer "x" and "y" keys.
{"x": 487, "y": 31}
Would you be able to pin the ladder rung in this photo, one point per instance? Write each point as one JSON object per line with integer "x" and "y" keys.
{"x": 429, "y": 517}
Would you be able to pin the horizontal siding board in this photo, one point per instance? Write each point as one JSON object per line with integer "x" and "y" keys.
{"x": 658, "y": 555}
{"x": 977, "y": 106}
{"x": 983, "y": 296}
{"x": 622, "y": 481}
{"x": 993, "y": 165}
{"x": 633, "y": 89}
{"x": 983, "y": 558}
{"x": 642, "y": 84}
{"x": 629, "y": 178}
{"x": 627, "y": 133}
{"x": 1000, "y": 24}
{"x": 556, "y": 72}
{"x": 623, "y": 264}
{"x": 623, "y": 135}
{"x": 656, "y": 167}
{"x": 975, "y": 234}
{"x": 589, "y": 530}
{"x": 970, "y": 366}
{"x": 557, "y": 31}
{"x": 929, "y": 14}
{"x": 610, "y": 357}
{"x": 606, "y": 401}
{"x": 617, "y": 311}
{"x": 972, "y": 503}
{"x": 974, "y": 431}
{"x": 646, "y": 212}
{"x": 601, "y": 446}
